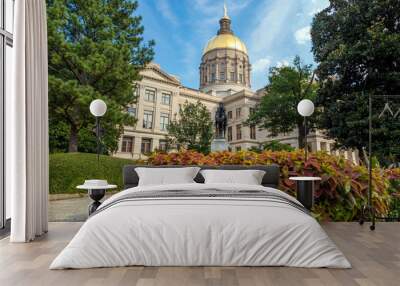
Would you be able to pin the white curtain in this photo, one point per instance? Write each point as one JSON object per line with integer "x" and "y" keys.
{"x": 27, "y": 124}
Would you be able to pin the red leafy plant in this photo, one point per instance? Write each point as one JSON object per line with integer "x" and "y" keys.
{"x": 341, "y": 193}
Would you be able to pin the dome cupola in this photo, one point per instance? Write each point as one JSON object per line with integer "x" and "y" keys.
{"x": 225, "y": 39}
{"x": 225, "y": 66}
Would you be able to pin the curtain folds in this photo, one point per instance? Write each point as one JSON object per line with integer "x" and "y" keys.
{"x": 27, "y": 118}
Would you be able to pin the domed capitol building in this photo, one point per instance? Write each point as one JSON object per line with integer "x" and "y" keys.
{"x": 225, "y": 73}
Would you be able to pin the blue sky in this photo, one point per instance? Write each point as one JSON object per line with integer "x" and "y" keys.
{"x": 274, "y": 31}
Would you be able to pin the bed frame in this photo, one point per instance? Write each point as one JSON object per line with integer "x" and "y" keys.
{"x": 270, "y": 179}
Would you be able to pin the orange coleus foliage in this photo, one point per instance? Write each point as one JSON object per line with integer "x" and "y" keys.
{"x": 342, "y": 191}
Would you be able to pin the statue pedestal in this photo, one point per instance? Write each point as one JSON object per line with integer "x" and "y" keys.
{"x": 219, "y": 144}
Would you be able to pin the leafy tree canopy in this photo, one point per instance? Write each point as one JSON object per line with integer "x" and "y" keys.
{"x": 96, "y": 50}
{"x": 357, "y": 46}
{"x": 193, "y": 127}
{"x": 277, "y": 146}
{"x": 273, "y": 145}
{"x": 277, "y": 111}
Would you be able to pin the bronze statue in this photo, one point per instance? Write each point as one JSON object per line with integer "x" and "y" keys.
{"x": 220, "y": 121}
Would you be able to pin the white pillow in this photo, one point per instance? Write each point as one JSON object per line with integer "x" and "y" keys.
{"x": 166, "y": 176}
{"x": 248, "y": 177}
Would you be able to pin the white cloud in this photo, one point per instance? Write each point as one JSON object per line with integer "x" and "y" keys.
{"x": 271, "y": 20}
{"x": 259, "y": 71}
{"x": 261, "y": 65}
{"x": 206, "y": 15}
{"x": 303, "y": 35}
{"x": 210, "y": 7}
{"x": 317, "y": 6}
{"x": 282, "y": 63}
{"x": 166, "y": 11}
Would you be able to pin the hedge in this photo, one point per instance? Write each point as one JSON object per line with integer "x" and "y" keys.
{"x": 68, "y": 170}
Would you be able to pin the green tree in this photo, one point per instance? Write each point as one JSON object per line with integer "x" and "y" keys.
{"x": 277, "y": 111}
{"x": 96, "y": 50}
{"x": 277, "y": 146}
{"x": 273, "y": 145}
{"x": 357, "y": 47}
{"x": 193, "y": 127}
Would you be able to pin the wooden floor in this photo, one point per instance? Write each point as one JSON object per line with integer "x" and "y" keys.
{"x": 375, "y": 257}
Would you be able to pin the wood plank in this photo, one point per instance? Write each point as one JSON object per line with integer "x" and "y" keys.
{"x": 375, "y": 257}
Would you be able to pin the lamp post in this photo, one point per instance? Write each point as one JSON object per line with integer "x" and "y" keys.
{"x": 305, "y": 184}
{"x": 305, "y": 108}
{"x": 98, "y": 108}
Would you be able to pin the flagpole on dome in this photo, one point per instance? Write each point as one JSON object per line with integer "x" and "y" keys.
{"x": 225, "y": 11}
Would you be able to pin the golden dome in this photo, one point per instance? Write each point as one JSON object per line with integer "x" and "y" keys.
{"x": 225, "y": 41}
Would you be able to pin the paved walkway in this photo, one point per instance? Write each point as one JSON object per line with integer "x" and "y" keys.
{"x": 74, "y": 209}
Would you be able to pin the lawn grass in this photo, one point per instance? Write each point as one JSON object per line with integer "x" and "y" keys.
{"x": 68, "y": 170}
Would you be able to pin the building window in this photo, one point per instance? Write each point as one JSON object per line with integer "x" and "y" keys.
{"x": 232, "y": 76}
{"x": 166, "y": 98}
{"x": 150, "y": 95}
{"x": 162, "y": 145}
{"x": 164, "y": 121}
{"x": 239, "y": 131}
{"x": 230, "y": 133}
{"x": 238, "y": 112}
{"x": 148, "y": 119}
{"x": 6, "y": 65}
{"x": 146, "y": 145}
{"x": 131, "y": 111}
{"x": 251, "y": 110}
{"x": 252, "y": 132}
{"x": 229, "y": 114}
{"x": 238, "y": 148}
{"x": 205, "y": 78}
{"x": 136, "y": 91}
{"x": 213, "y": 72}
{"x": 323, "y": 146}
{"x": 127, "y": 144}
{"x": 240, "y": 77}
{"x": 222, "y": 72}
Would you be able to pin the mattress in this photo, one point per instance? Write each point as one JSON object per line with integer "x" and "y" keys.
{"x": 201, "y": 225}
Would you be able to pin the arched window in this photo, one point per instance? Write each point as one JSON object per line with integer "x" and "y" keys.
{"x": 222, "y": 71}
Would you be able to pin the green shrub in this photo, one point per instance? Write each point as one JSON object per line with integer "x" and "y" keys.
{"x": 277, "y": 146}
{"x": 68, "y": 170}
{"x": 272, "y": 146}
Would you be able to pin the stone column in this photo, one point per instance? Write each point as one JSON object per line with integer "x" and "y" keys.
{"x": 137, "y": 146}
{"x": 139, "y": 107}
{"x": 156, "y": 111}
{"x": 155, "y": 142}
{"x": 217, "y": 63}
{"x": 236, "y": 69}
{"x": 226, "y": 68}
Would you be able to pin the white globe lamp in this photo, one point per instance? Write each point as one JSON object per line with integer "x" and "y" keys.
{"x": 98, "y": 107}
{"x": 305, "y": 108}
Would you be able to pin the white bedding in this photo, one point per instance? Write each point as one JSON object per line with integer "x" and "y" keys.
{"x": 200, "y": 231}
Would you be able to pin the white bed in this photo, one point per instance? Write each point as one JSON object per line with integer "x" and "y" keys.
{"x": 202, "y": 231}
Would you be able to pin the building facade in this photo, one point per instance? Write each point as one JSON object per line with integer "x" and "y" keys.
{"x": 224, "y": 76}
